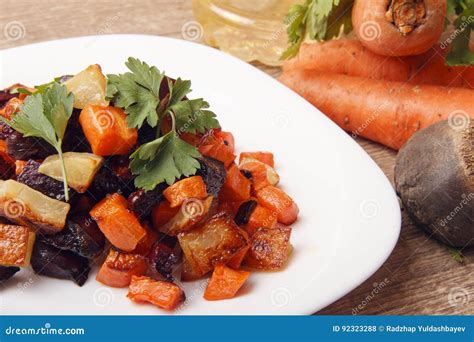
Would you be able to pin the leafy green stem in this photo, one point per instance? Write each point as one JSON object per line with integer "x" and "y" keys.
{"x": 63, "y": 169}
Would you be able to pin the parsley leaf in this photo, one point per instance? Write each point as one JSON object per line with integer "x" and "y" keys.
{"x": 137, "y": 92}
{"x": 193, "y": 116}
{"x": 168, "y": 157}
{"x": 165, "y": 159}
{"x": 456, "y": 254}
{"x": 460, "y": 52}
{"x": 45, "y": 115}
{"x": 317, "y": 20}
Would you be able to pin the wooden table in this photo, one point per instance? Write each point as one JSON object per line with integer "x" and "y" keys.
{"x": 420, "y": 277}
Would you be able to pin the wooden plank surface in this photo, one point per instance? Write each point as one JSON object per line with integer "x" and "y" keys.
{"x": 420, "y": 277}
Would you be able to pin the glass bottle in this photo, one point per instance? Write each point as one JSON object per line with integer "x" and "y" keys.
{"x": 252, "y": 30}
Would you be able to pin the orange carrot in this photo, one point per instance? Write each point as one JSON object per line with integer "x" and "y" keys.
{"x": 229, "y": 207}
{"x": 120, "y": 226}
{"x": 8, "y": 164}
{"x": 350, "y": 57}
{"x": 262, "y": 174}
{"x": 236, "y": 186}
{"x": 264, "y": 157}
{"x": 118, "y": 268}
{"x": 227, "y": 137}
{"x": 224, "y": 283}
{"x": 385, "y": 112}
{"x": 12, "y": 107}
{"x": 279, "y": 202}
{"x": 146, "y": 243}
{"x": 220, "y": 146}
{"x": 261, "y": 217}
{"x": 163, "y": 294}
{"x": 192, "y": 187}
{"x": 398, "y": 28}
{"x": 107, "y": 131}
{"x": 162, "y": 213}
{"x": 19, "y": 165}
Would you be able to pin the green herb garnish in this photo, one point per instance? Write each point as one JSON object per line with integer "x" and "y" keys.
{"x": 41, "y": 88}
{"x": 317, "y": 20}
{"x": 460, "y": 53}
{"x": 456, "y": 254}
{"x": 168, "y": 157}
{"x": 45, "y": 115}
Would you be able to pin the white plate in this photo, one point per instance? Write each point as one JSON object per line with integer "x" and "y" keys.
{"x": 350, "y": 217}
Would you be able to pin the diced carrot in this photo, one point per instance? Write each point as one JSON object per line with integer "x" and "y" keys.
{"x": 229, "y": 207}
{"x": 238, "y": 258}
{"x": 107, "y": 130}
{"x": 12, "y": 106}
{"x": 120, "y": 226}
{"x": 236, "y": 186}
{"x": 278, "y": 201}
{"x": 261, "y": 217}
{"x": 227, "y": 137}
{"x": 19, "y": 165}
{"x": 144, "y": 245}
{"x": 7, "y": 165}
{"x": 192, "y": 187}
{"x": 16, "y": 245}
{"x": 118, "y": 268}
{"x": 163, "y": 294}
{"x": 219, "y": 148}
{"x": 224, "y": 283}
{"x": 162, "y": 213}
{"x": 264, "y": 157}
{"x": 262, "y": 174}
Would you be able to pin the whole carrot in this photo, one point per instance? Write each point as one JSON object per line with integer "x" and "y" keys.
{"x": 399, "y": 27}
{"x": 350, "y": 57}
{"x": 383, "y": 111}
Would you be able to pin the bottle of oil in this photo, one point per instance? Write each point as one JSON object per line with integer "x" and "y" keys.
{"x": 252, "y": 30}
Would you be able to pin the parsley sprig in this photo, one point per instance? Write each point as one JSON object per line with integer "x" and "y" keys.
{"x": 317, "y": 20}
{"x": 463, "y": 12}
{"x": 168, "y": 157}
{"x": 45, "y": 115}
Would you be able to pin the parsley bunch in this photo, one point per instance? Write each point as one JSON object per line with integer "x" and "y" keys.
{"x": 45, "y": 114}
{"x": 168, "y": 157}
{"x": 317, "y": 20}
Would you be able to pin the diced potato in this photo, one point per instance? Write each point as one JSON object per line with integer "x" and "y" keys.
{"x": 216, "y": 241}
{"x": 238, "y": 258}
{"x": 191, "y": 213}
{"x": 16, "y": 245}
{"x": 269, "y": 249}
{"x": 81, "y": 169}
{"x": 88, "y": 87}
{"x": 23, "y": 205}
{"x": 187, "y": 272}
